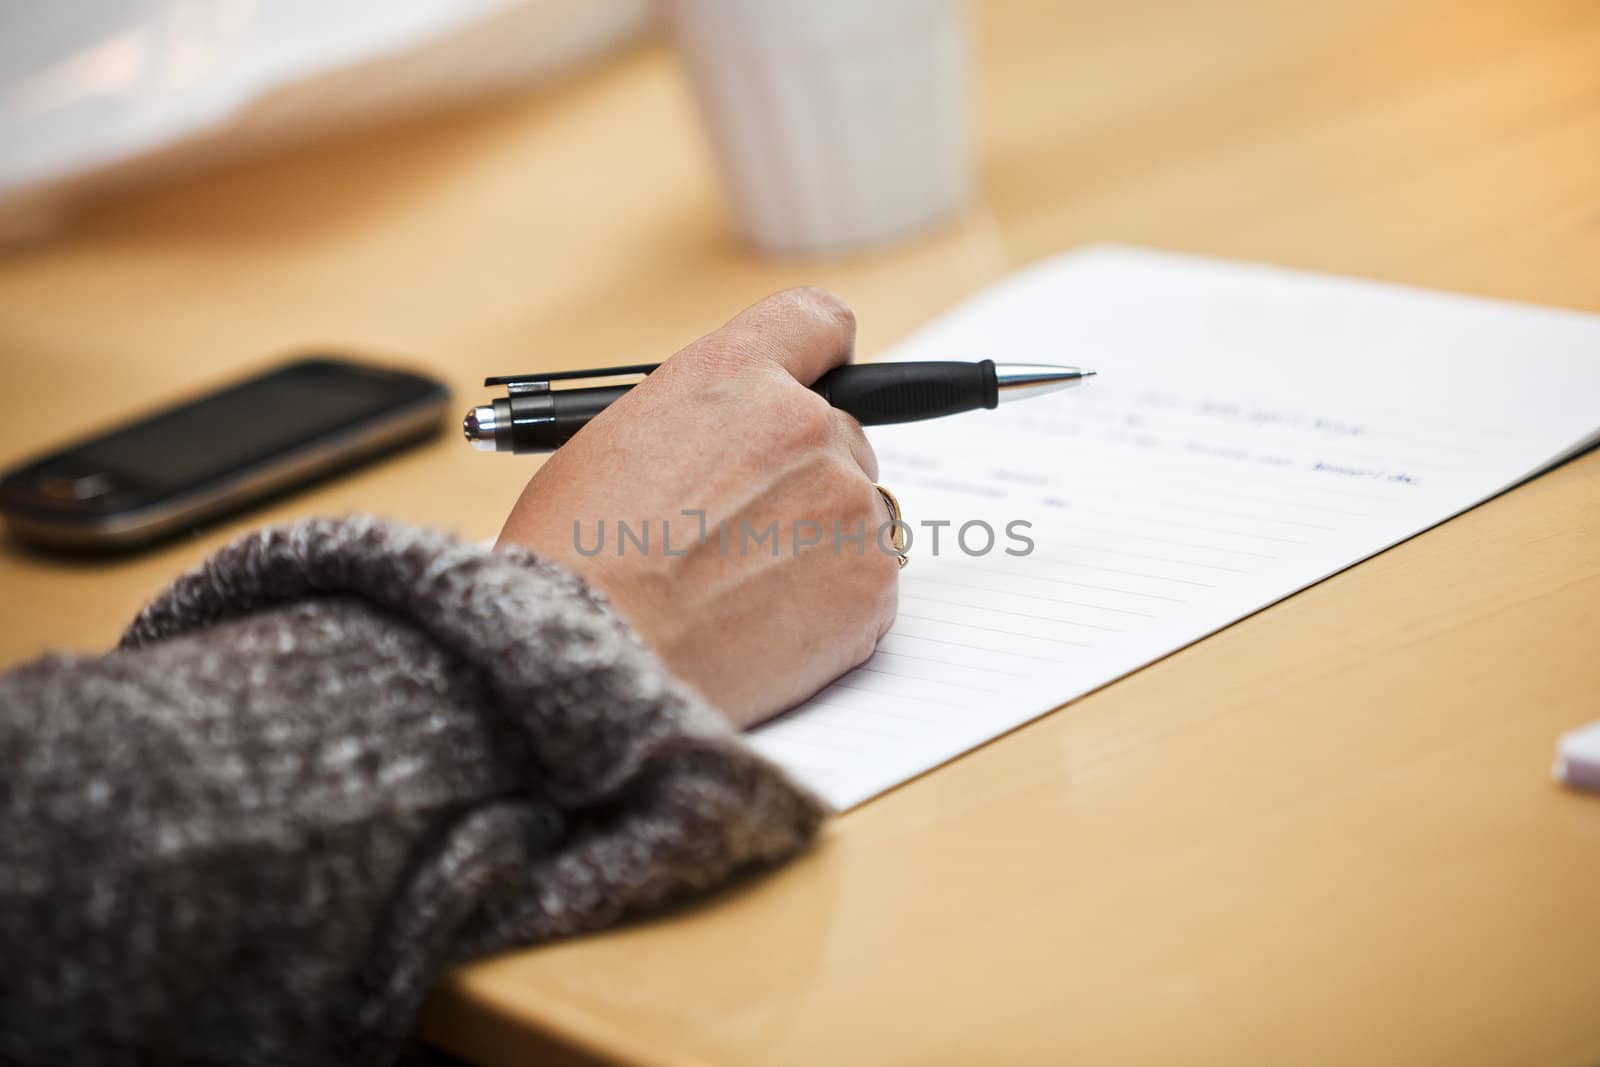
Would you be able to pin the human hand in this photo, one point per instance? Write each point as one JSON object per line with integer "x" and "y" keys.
{"x": 727, "y": 427}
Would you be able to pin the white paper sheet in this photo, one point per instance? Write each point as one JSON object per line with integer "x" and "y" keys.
{"x": 1252, "y": 431}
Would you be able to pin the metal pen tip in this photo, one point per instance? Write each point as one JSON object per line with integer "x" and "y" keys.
{"x": 479, "y": 428}
{"x": 1020, "y": 381}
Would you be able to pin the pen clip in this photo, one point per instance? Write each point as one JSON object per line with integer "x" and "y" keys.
{"x": 527, "y": 384}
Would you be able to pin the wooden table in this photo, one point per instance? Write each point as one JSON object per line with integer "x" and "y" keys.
{"x": 1327, "y": 834}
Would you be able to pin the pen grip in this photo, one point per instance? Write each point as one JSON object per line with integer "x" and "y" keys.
{"x": 879, "y": 394}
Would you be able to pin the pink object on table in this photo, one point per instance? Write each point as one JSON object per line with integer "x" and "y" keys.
{"x": 1578, "y": 758}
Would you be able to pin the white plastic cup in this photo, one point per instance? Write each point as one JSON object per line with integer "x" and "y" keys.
{"x": 838, "y": 124}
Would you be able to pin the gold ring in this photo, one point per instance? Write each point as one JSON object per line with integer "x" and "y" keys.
{"x": 899, "y": 531}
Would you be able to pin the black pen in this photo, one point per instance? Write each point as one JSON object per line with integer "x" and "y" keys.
{"x": 533, "y": 417}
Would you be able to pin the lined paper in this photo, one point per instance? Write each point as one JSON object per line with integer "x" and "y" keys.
{"x": 1252, "y": 431}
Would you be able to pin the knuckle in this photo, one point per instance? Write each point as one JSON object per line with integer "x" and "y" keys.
{"x": 823, "y": 303}
{"x": 721, "y": 354}
{"x": 804, "y": 420}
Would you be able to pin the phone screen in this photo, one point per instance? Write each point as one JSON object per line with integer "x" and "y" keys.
{"x": 216, "y": 436}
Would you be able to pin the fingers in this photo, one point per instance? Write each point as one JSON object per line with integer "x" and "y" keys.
{"x": 805, "y": 331}
{"x": 856, "y": 439}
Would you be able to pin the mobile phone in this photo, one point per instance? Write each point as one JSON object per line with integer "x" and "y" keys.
{"x": 218, "y": 453}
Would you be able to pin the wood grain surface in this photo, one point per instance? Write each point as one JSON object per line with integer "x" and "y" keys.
{"x": 1326, "y": 835}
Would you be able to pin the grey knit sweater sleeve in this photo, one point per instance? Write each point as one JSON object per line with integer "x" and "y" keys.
{"x": 329, "y": 763}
